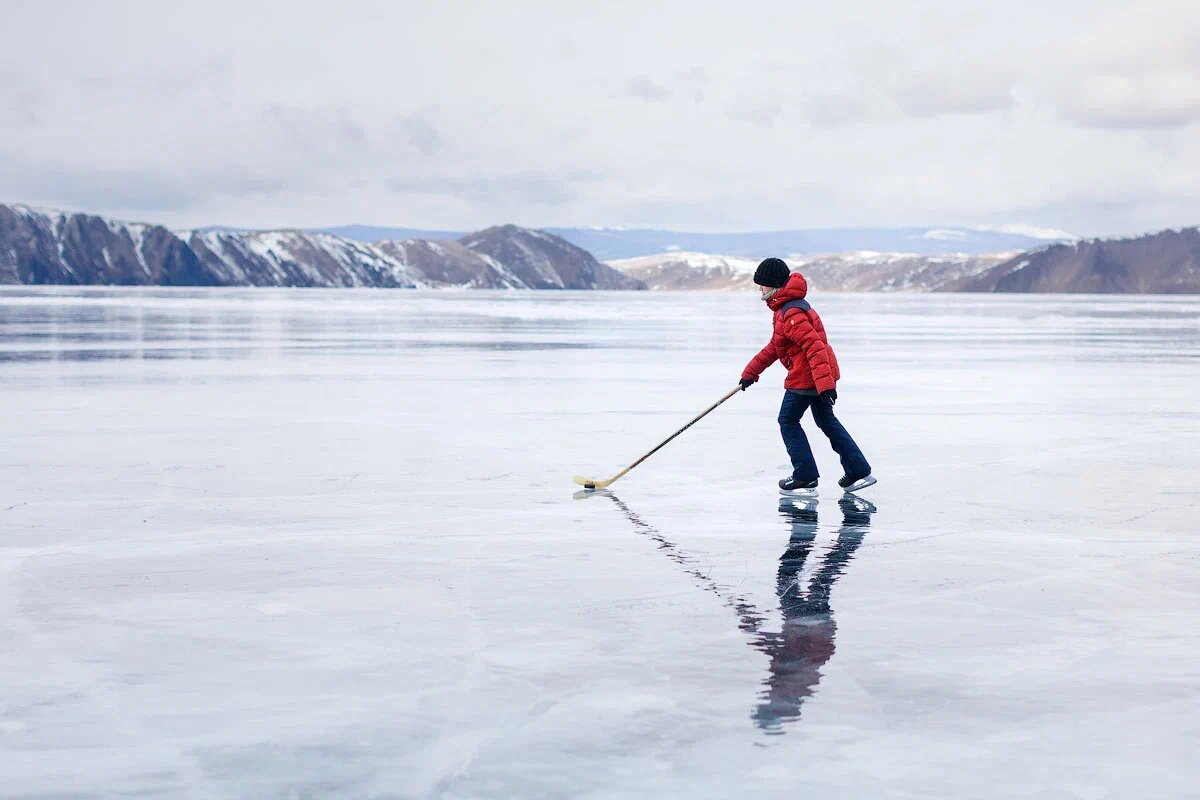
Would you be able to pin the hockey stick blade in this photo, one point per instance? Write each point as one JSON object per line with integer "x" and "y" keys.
{"x": 591, "y": 483}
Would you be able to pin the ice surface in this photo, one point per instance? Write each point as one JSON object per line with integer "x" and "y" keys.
{"x": 324, "y": 543}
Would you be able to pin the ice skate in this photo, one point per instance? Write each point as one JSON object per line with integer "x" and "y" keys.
{"x": 851, "y": 483}
{"x": 791, "y": 487}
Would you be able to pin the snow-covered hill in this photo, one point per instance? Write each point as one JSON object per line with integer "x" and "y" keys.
{"x": 861, "y": 270}
{"x": 541, "y": 260}
{"x": 292, "y": 258}
{"x": 47, "y": 246}
{"x": 57, "y": 247}
{"x": 689, "y": 270}
{"x": 610, "y": 244}
{"x": 870, "y": 271}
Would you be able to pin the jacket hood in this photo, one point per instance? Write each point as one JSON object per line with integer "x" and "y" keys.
{"x": 795, "y": 289}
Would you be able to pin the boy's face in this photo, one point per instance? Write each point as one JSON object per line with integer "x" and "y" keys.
{"x": 763, "y": 291}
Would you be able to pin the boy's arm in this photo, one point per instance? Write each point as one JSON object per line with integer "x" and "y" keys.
{"x": 799, "y": 328}
{"x": 765, "y": 358}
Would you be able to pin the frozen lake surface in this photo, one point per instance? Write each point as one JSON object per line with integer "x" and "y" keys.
{"x": 308, "y": 544}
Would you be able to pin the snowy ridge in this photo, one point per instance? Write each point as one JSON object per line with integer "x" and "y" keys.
{"x": 944, "y": 234}
{"x": 858, "y": 270}
{"x": 57, "y": 247}
{"x": 449, "y": 263}
{"x": 689, "y": 270}
{"x": 540, "y": 264}
{"x": 734, "y": 264}
{"x": 54, "y": 246}
{"x": 512, "y": 281}
{"x": 866, "y": 270}
{"x": 53, "y": 216}
{"x": 541, "y": 260}
{"x": 1032, "y": 231}
{"x": 295, "y": 258}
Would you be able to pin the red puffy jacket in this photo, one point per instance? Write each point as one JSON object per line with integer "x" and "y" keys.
{"x": 798, "y": 342}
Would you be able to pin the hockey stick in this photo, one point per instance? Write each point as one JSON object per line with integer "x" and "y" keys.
{"x": 591, "y": 483}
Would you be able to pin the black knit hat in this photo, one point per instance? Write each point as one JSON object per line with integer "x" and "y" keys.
{"x": 772, "y": 272}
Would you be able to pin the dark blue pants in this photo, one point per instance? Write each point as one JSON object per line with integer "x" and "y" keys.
{"x": 804, "y": 466}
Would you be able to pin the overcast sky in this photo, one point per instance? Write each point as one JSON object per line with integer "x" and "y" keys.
{"x": 1083, "y": 116}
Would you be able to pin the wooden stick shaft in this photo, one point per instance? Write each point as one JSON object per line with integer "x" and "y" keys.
{"x": 664, "y": 443}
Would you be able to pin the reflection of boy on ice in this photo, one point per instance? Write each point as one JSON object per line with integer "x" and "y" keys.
{"x": 798, "y": 342}
{"x": 805, "y": 642}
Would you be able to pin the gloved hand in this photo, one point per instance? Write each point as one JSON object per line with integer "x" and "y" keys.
{"x": 745, "y": 383}
{"x": 829, "y": 395}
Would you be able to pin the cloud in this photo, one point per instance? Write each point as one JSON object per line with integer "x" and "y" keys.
{"x": 849, "y": 106}
{"x": 69, "y": 185}
{"x": 876, "y": 85}
{"x": 760, "y": 108}
{"x": 169, "y": 80}
{"x": 18, "y": 107}
{"x": 932, "y": 93}
{"x": 690, "y": 84}
{"x": 933, "y": 113}
{"x": 1130, "y": 70}
{"x": 940, "y": 74}
{"x": 693, "y": 83}
{"x": 316, "y": 132}
{"x": 540, "y": 189}
{"x": 642, "y": 88}
{"x": 1132, "y": 102}
{"x": 422, "y": 134}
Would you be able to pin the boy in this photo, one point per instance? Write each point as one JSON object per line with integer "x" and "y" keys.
{"x": 799, "y": 343}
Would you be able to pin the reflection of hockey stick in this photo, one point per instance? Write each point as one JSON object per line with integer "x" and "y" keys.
{"x": 592, "y": 483}
{"x": 749, "y": 617}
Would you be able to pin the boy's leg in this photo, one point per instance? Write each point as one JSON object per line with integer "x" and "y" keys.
{"x": 804, "y": 466}
{"x": 853, "y": 461}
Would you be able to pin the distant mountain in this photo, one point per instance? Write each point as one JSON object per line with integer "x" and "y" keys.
{"x": 543, "y": 261}
{"x": 55, "y": 247}
{"x": 449, "y": 263}
{"x": 294, "y": 258}
{"x": 865, "y": 271}
{"x": 609, "y": 244}
{"x": 1161, "y": 263}
{"x": 862, "y": 271}
{"x": 689, "y": 271}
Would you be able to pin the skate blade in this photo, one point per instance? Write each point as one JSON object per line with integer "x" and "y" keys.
{"x": 861, "y": 484}
{"x": 798, "y": 493}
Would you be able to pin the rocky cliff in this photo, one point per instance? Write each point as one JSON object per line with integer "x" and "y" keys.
{"x": 54, "y": 247}
{"x": 1167, "y": 262}
{"x": 543, "y": 261}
